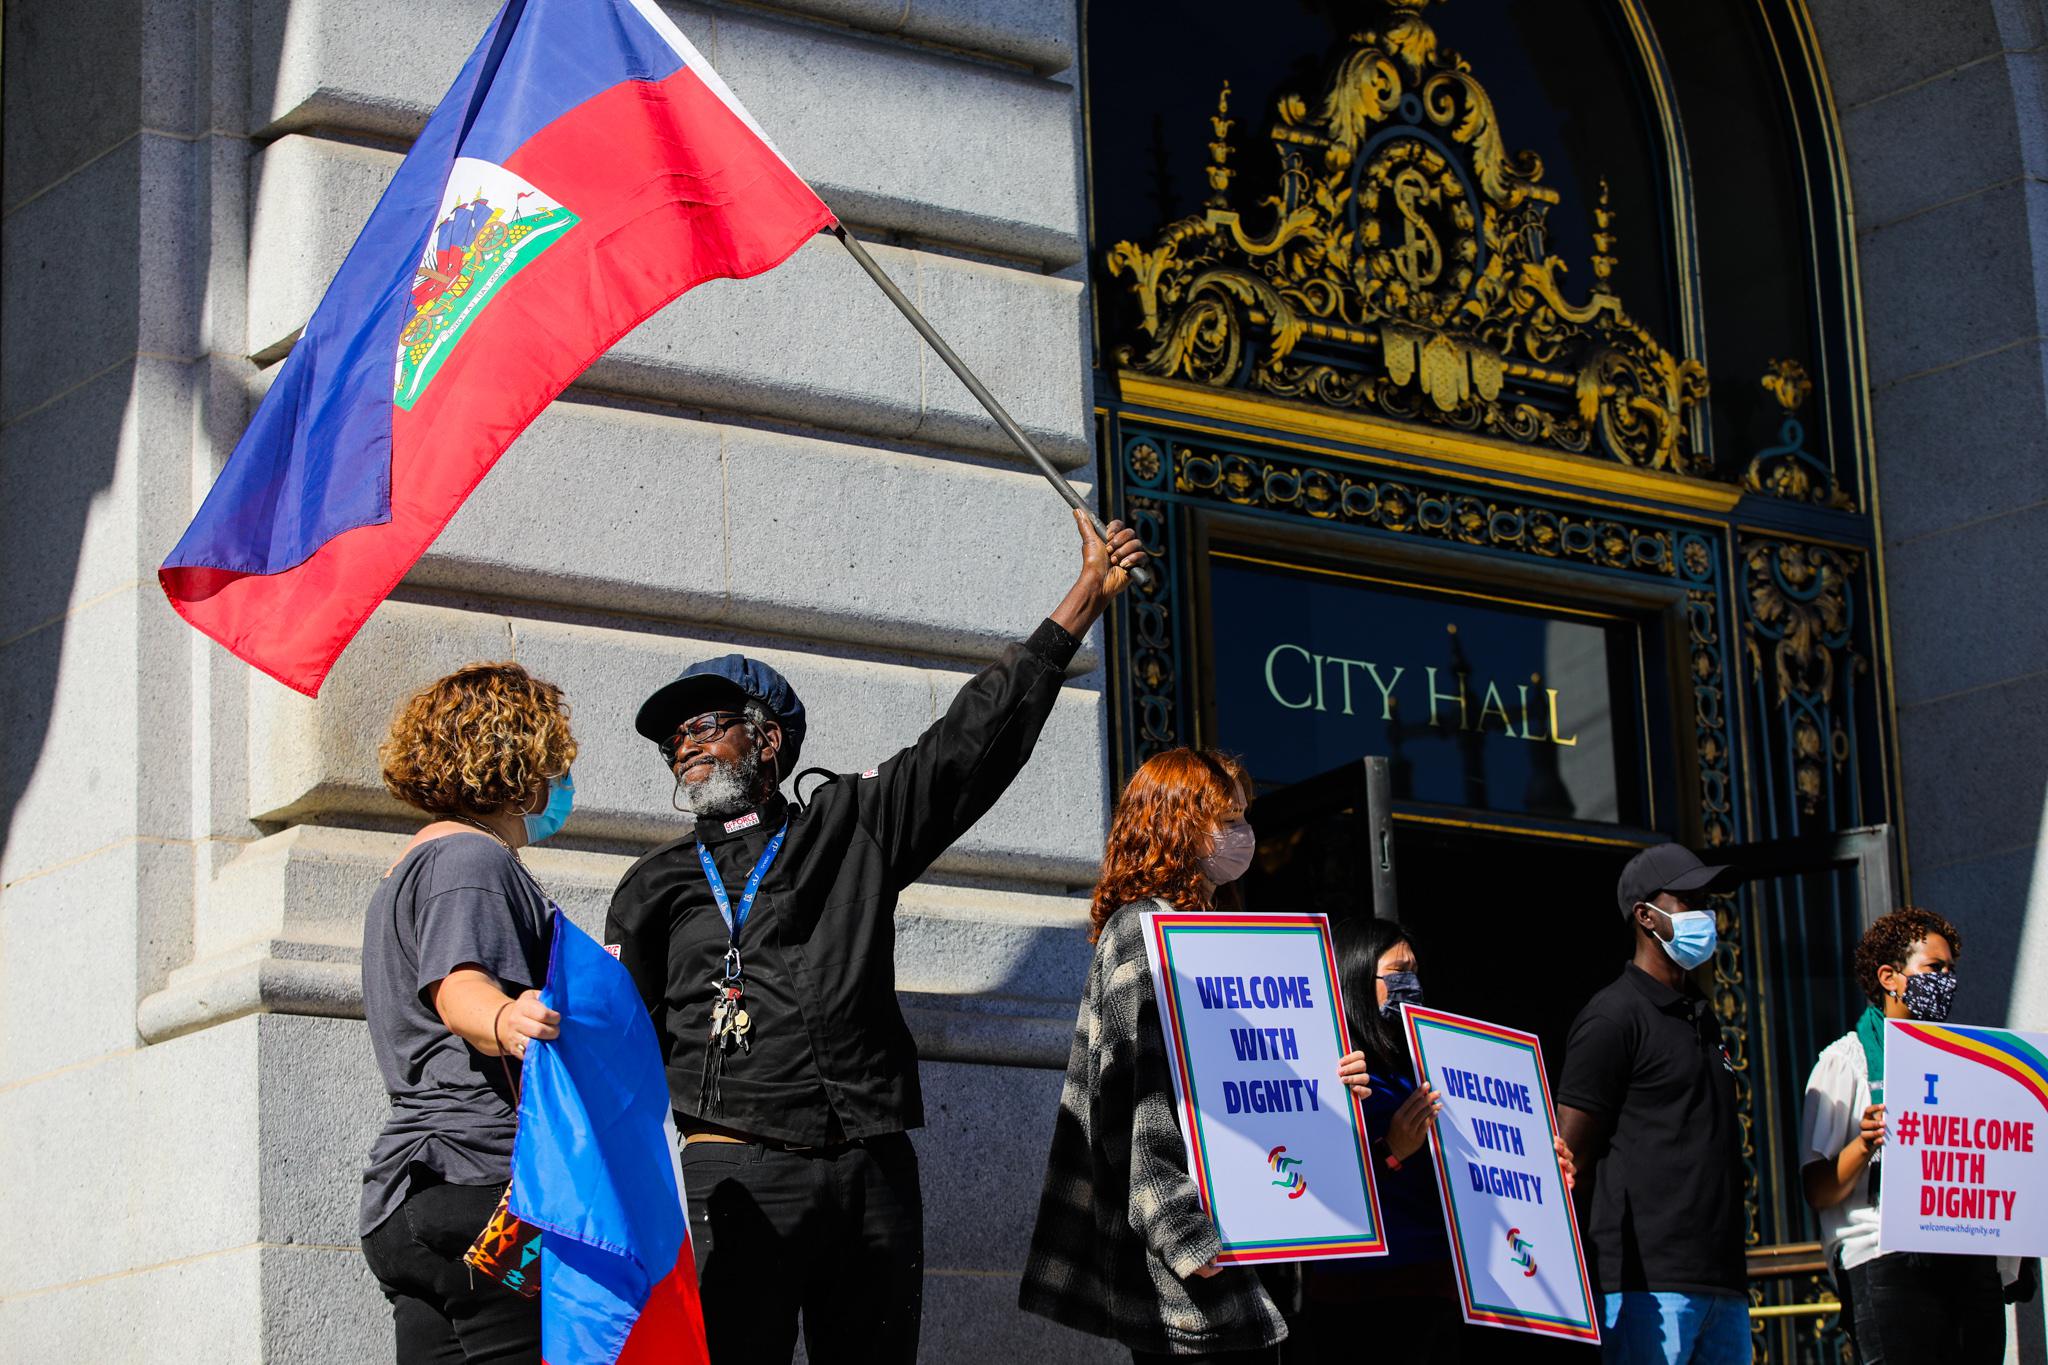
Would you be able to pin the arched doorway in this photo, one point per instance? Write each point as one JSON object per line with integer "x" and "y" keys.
{"x": 1488, "y": 380}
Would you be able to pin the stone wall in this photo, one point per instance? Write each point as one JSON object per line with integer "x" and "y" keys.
{"x": 777, "y": 466}
{"x": 1944, "y": 116}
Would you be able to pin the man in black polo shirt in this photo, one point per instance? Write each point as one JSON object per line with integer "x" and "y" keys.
{"x": 763, "y": 943}
{"x": 1647, "y": 1102}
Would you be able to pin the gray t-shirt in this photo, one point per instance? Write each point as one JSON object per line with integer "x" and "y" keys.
{"x": 460, "y": 898}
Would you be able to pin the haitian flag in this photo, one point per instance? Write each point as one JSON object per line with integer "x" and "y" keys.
{"x": 586, "y": 167}
{"x": 594, "y": 1168}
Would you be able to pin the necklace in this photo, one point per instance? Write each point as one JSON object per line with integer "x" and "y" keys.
{"x": 483, "y": 828}
{"x": 517, "y": 861}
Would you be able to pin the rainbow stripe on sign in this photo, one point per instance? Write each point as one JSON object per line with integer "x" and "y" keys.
{"x": 1582, "y": 1328}
{"x": 2004, "y": 1052}
{"x": 1167, "y": 926}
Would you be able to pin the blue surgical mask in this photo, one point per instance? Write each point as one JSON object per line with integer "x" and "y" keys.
{"x": 1693, "y": 936}
{"x": 1403, "y": 988}
{"x": 561, "y": 797}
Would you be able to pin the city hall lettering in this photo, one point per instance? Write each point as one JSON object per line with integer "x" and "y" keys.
{"x": 1301, "y": 680}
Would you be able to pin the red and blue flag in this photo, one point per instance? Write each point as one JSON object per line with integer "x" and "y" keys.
{"x": 586, "y": 167}
{"x": 595, "y": 1169}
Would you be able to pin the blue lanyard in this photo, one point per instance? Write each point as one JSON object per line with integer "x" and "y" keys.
{"x": 736, "y": 920}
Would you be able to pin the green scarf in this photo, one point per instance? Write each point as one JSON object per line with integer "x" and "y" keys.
{"x": 1870, "y": 1030}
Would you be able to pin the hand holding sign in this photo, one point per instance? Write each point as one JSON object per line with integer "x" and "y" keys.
{"x": 1265, "y": 1083}
{"x": 1412, "y": 1122}
{"x": 1504, "y": 1176}
{"x": 1965, "y": 1129}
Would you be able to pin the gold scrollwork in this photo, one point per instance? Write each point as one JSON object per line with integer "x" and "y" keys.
{"x": 1411, "y": 508}
{"x": 1788, "y": 470}
{"x": 1405, "y": 270}
{"x": 1799, "y": 606}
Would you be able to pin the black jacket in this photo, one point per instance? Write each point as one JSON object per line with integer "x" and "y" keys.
{"x": 831, "y": 1055}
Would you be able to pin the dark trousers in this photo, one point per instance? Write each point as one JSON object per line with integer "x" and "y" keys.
{"x": 1264, "y": 1355}
{"x": 1913, "y": 1308}
{"x": 441, "y": 1311}
{"x": 1415, "y": 1329}
{"x": 833, "y": 1236}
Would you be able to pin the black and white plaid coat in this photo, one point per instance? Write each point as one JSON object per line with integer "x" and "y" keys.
{"x": 1121, "y": 1229}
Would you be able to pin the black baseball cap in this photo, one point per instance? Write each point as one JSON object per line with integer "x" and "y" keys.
{"x": 726, "y": 683}
{"x": 1663, "y": 867}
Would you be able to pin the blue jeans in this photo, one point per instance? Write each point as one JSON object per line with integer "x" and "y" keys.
{"x": 1676, "y": 1329}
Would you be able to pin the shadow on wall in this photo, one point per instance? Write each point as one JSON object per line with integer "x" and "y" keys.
{"x": 71, "y": 302}
{"x": 56, "y": 464}
{"x": 86, "y": 387}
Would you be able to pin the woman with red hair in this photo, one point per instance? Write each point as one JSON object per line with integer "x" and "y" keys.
{"x": 1123, "y": 1247}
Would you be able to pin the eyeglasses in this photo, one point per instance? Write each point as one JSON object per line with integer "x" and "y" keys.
{"x": 700, "y": 729}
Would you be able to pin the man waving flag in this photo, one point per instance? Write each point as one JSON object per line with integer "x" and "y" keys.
{"x": 594, "y": 1168}
{"x": 586, "y": 167}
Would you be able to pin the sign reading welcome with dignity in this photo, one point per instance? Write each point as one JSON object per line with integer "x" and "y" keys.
{"x": 1514, "y": 1234}
{"x": 1964, "y": 1167}
{"x": 1254, "y": 1027}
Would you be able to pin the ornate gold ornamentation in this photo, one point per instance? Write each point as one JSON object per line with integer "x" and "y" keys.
{"x": 1203, "y": 471}
{"x": 1800, "y": 607}
{"x": 1402, "y": 268}
{"x": 1787, "y": 381}
{"x": 1787, "y": 470}
{"x": 1219, "y": 151}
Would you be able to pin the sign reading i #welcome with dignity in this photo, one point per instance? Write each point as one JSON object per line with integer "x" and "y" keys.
{"x": 1964, "y": 1167}
{"x": 1514, "y": 1235}
{"x": 1254, "y": 1028}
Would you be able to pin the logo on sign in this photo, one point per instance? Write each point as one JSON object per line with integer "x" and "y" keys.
{"x": 1290, "y": 1179}
{"x": 1521, "y": 1253}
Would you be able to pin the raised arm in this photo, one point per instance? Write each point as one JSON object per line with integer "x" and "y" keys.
{"x": 923, "y": 799}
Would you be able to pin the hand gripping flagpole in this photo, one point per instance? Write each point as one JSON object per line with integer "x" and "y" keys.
{"x": 1141, "y": 573}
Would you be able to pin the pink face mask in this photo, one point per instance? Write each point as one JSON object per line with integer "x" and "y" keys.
{"x": 1231, "y": 854}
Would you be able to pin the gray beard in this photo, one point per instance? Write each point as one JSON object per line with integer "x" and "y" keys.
{"x": 727, "y": 790}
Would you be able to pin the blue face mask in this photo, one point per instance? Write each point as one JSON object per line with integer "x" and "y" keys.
{"x": 1693, "y": 936}
{"x": 1403, "y": 988}
{"x": 561, "y": 797}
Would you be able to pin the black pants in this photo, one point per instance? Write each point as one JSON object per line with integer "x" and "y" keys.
{"x": 833, "y": 1235}
{"x": 1415, "y": 1329}
{"x": 442, "y": 1312}
{"x": 1913, "y": 1308}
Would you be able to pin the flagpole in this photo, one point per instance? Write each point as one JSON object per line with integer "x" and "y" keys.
{"x": 1141, "y": 573}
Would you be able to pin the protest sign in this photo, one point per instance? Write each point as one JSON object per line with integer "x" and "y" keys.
{"x": 1514, "y": 1234}
{"x": 1962, "y": 1168}
{"x": 1254, "y": 1027}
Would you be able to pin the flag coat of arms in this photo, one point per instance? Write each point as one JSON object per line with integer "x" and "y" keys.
{"x": 594, "y": 1168}
{"x": 586, "y": 167}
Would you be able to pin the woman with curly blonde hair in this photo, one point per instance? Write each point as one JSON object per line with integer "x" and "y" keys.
{"x": 455, "y": 946}
{"x": 1123, "y": 1247}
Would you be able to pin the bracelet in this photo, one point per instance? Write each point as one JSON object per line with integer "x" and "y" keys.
{"x": 496, "y": 1041}
{"x": 1393, "y": 1162}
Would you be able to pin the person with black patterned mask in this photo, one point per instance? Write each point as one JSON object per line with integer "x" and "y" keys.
{"x": 1906, "y": 1306}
